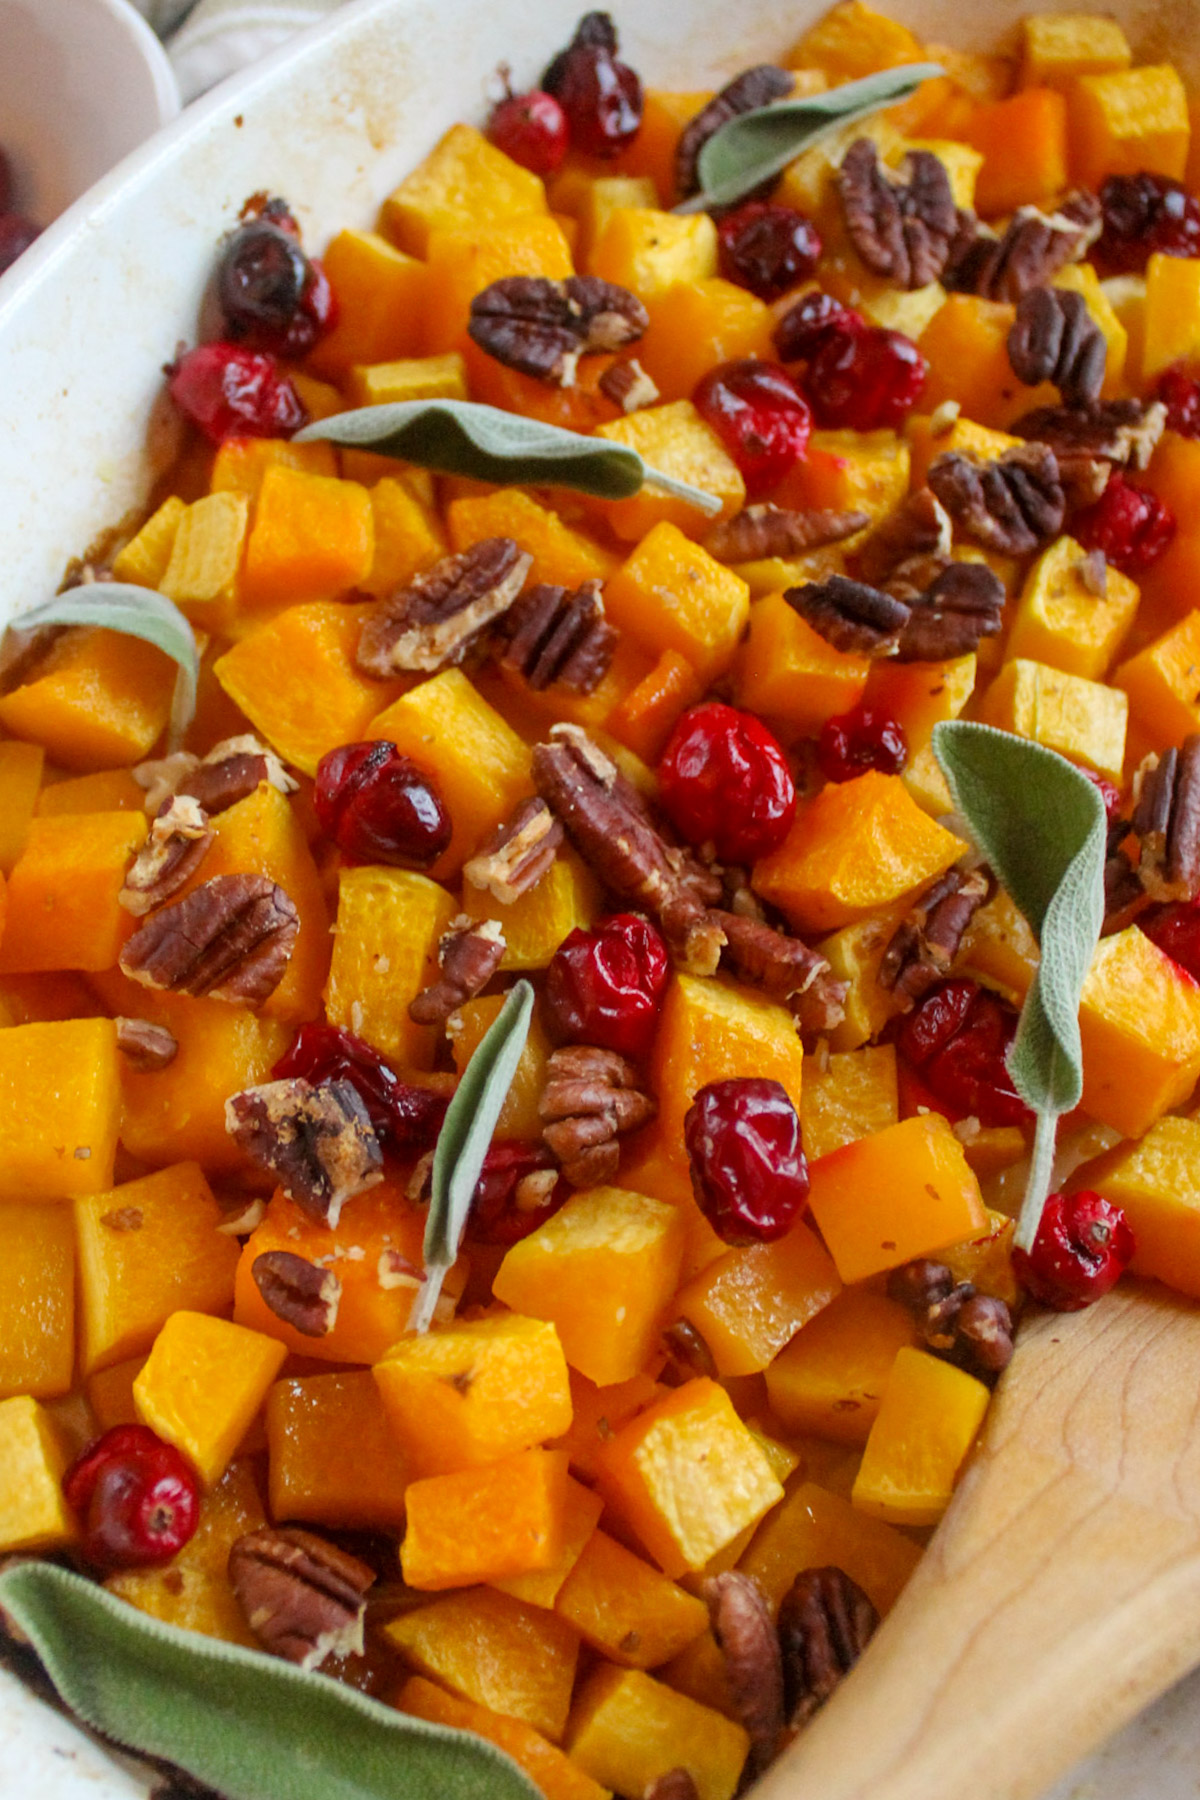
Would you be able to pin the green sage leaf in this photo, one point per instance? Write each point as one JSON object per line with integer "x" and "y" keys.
{"x": 1041, "y": 825}
{"x": 250, "y": 1725}
{"x": 755, "y": 146}
{"x": 463, "y": 437}
{"x": 463, "y": 1141}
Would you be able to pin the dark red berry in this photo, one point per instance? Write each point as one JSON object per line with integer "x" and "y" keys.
{"x": 272, "y": 297}
{"x": 16, "y": 235}
{"x": 1108, "y": 790}
{"x": 600, "y": 95}
{"x": 378, "y": 807}
{"x": 724, "y": 780}
{"x": 865, "y": 738}
{"x": 958, "y": 1037}
{"x": 767, "y": 248}
{"x": 1176, "y": 931}
{"x": 229, "y": 391}
{"x": 761, "y": 418}
{"x": 507, "y": 1205}
{"x": 1131, "y": 525}
{"x": 863, "y": 378}
{"x": 1083, "y": 1244}
{"x": 136, "y": 1497}
{"x": 606, "y": 986}
{"x": 1145, "y": 215}
{"x": 1180, "y": 394}
{"x": 406, "y": 1118}
{"x": 747, "y": 1163}
{"x": 811, "y": 323}
{"x": 531, "y": 129}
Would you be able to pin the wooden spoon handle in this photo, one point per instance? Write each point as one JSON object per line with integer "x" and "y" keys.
{"x": 1061, "y": 1593}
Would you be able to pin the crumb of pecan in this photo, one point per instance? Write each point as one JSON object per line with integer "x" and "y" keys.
{"x": 927, "y": 939}
{"x": 178, "y": 842}
{"x": 302, "y": 1597}
{"x": 903, "y": 229}
{"x": 1014, "y": 504}
{"x": 762, "y": 531}
{"x": 740, "y": 1616}
{"x": 542, "y": 327}
{"x": 518, "y": 853}
{"x": 231, "y": 938}
{"x": 317, "y": 1141}
{"x": 297, "y": 1291}
{"x": 628, "y": 386}
{"x": 554, "y": 636}
{"x": 146, "y": 1046}
{"x": 748, "y": 91}
{"x": 468, "y": 956}
{"x": 591, "y": 1098}
{"x": 432, "y": 622}
{"x": 825, "y": 1623}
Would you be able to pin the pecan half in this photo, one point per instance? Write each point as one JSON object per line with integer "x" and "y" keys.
{"x": 765, "y": 531}
{"x": 432, "y": 623}
{"x": 927, "y": 939}
{"x": 628, "y": 386}
{"x": 785, "y": 969}
{"x": 518, "y": 853}
{"x": 1166, "y": 821}
{"x": 302, "y": 1597}
{"x": 542, "y": 327}
{"x": 176, "y": 846}
{"x": 591, "y": 1098}
{"x": 1014, "y": 505}
{"x": 318, "y": 1142}
{"x": 676, "y": 1784}
{"x": 851, "y": 616}
{"x": 557, "y": 636}
{"x": 298, "y": 1292}
{"x": 146, "y": 1047}
{"x": 468, "y": 956}
{"x": 903, "y": 229}
{"x": 919, "y": 529}
{"x": 1027, "y": 253}
{"x": 825, "y": 1624}
{"x": 740, "y": 1616}
{"x": 231, "y": 938}
{"x": 964, "y": 603}
{"x": 231, "y": 771}
{"x": 1124, "y": 433}
{"x": 1054, "y": 337}
{"x": 748, "y": 91}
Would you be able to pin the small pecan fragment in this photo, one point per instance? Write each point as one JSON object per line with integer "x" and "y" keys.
{"x": 1054, "y": 337}
{"x": 1027, "y": 253}
{"x": 298, "y": 1292}
{"x": 1124, "y": 433}
{"x": 1014, "y": 504}
{"x": 231, "y": 771}
{"x": 740, "y": 1616}
{"x": 177, "y": 845}
{"x": 853, "y": 617}
{"x": 748, "y": 91}
{"x": 972, "y": 1330}
{"x": 591, "y": 1098}
{"x": 518, "y": 853}
{"x": 302, "y": 1597}
{"x": 927, "y": 939}
{"x": 468, "y": 956}
{"x": 825, "y": 1624}
{"x": 557, "y": 636}
{"x": 628, "y": 386}
{"x": 432, "y": 623}
{"x": 676, "y": 1784}
{"x": 145, "y": 1046}
{"x": 918, "y": 530}
{"x": 766, "y": 531}
{"x": 231, "y": 938}
{"x": 318, "y": 1142}
{"x": 542, "y": 327}
{"x": 903, "y": 229}
{"x": 964, "y": 603}
{"x": 1166, "y": 821}
{"x": 785, "y": 968}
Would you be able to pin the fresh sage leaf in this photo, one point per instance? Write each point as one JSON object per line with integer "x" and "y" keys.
{"x": 1041, "y": 825}
{"x": 463, "y": 437}
{"x": 753, "y": 147}
{"x": 250, "y": 1725}
{"x": 463, "y": 1142}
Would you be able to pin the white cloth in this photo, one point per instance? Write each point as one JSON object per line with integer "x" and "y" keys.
{"x": 208, "y": 39}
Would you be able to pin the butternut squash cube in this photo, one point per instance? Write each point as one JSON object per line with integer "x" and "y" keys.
{"x": 206, "y": 558}
{"x": 925, "y": 782}
{"x": 202, "y": 1385}
{"x": 921, "y": 695}
{"x": 1172, "y": 328}
{"x": 60, "y": 1108}
{"x": 581, "y": 1515}
{"x": 63, "y": 911}
{"x": 646, "y": 717}
{"x": 1081, "y": 719}
{"x": 1000, "y": 949}
{"x": 852, "y": 40}
{"x": 114, "y": 790}
{"x": 675, "y": 440}
{"x": 1139, "y": 1019}
{"x": 848, "y": 1096}
{"x": 648, "y": 251}
{"x": 381, "y": 301}
{"x": 313, "y": 538}
{"x": 814, "y": 1529}
{"x": 410, "y": 378}
{"x": 20, "y": 778}
{"x": 466, "y": 1028}
{"x": 96, "y": 700}
{"x": 566, "y": 899}
{"x": 966, "y": 347}
{"x": 600, "y": 1411}
{"x": 1055, "y": 47}
{"x": 561, "y": 555}
{"x": 144, "y": 559}
{"x": 466, "y": 258}
{"x": 463, "y": 179}
{"x": 546, "y": 1766}
{"x": 1157, "y": 1183}
{"x": 1127, "y": 121}
{"x": 591, "y": 199}
{"x": 751, "y": 1302}
{"x": 33, "y": 1514}
{"x": 389, "y": 923}
{"x": 408, "y": 538}
{"x": 333, "y": 1458}
{"x": 1024, "y": 145}
{"x": 627, "y": 1730}
{"x": 37, "y": 1307}
{"x": 241, "y": 463}
{"x": 696, "y": 324}
{"x": 927, "y": 1422}
{"x": 1164, "y": 695}
{"x": 481, "y": 1524}
{"x": 626, "y": 1610}
{"x": 672, "y": 595}
{"x": 791, "y": 674}
{"x": 1061, "y": 622}
{"x": 958, "y": 434}
{"x": 109, "y": 1393}
{"x": 850, "y": 471}
{"x": 829, "y": 1380}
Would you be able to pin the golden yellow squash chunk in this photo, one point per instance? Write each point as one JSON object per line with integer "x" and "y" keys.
{"x": 203, "y": 1382}
{"x": 627, "y": 1730}
{"x": 927, "y": 1422}
{"x": 37, "y": 1299}
{"x": 1082, "y": 720}
{"x": 67, "y": 1147}
{"x": 33, "y": 1514}
{"x": 1139, "y": 1019}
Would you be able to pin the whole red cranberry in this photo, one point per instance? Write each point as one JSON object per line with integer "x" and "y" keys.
{"x": 406, "y": 1118}
{"x": 958, "y": 1036}
{"x": 508, "y": 1204}
{"x": 531, "y": 129}
{"x": 606, "y": 986}
{"x": 747, "y": 1163}
{"x": 16, "y": 235}
{"x": 1176, "y": 931}
{"x": 863, "y": 378}
{"x": 136, "y": 1496}
{"x": 1083, "y": 1244}
{"x": 812, "y": 322}
{"x": 1145, "y": 215}
{"x": 271, "y": 295}
{"x": 1131, "y": 525}
{"x": 724, "y": 780}
{"x": 864, "y": 738}
{"x": 767, "y": 248}
{"x": 1180, "y": 394}
{"x": 600, "y": 95}
{"x": 378, "y": 807}
{"x": 759, "y": 415}
{"x": 229, "y": 391}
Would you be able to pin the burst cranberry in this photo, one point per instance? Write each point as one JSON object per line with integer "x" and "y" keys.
{"x": 272, "y": 296}
{"x": 863, "y": 378}
{"x": 606, "y": 986}
{"x": 1145, "y": 215}
{"x": 864, "y": 738}
{"x": 759, "y": 415}
{"x": 406, "y": 1118}
{"x": 724, "y": 780}
{"x": 229, "y": 391}
{"x": 508, "y": 1204}
{"x": 1083, "y": 1244}
{"x": 1180, "y": 394}
{"x": 958, "y": 1037}
{"x": 767, "y": 248}
{"x": 138, "y": 1500}
{"x": 377, "y": 806}
{"x": 1132, "y": 526}
{"x": 600, "y": 95}
{"x": 812, "y": 322}
{"x": 532, "y": 130}
{"x": 16, "y": 235}
{"x": 746, "y": 1159}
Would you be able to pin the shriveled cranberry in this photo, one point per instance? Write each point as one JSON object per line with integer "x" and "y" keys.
{"x": 1145, "y": 215}
{"x": 1131, "y": 525}
{"x": 746, "y": 1159}
{"x": 863, "y": 378}
{"x": 600, "y": 95}
{"x": 811, "y": 323}
{"x": 16, "y": 234}
{"x": 272, "y": 296}
{"x": 1083, "y": 1244}
{"x": 606, "y": 986}
{"x": 531, "y": 129}
{"x": 406, "y": 1118}
{"x": 1180, "y": 394}
{"x": 759, "y": 415}
{"x": 377, "y": 806}
{"x": 507, "y": 1206}
{"x": 958, "y": 1037}
{"x": 136, "y": 1496}
{"x": 767, "y": 248}
{"x": 724, "y": 780}
{"x": 864, "y": 738}
{"x": 229, "y": 391}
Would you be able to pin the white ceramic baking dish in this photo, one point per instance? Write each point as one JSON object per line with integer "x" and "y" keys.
{"x": 94, "y": 310}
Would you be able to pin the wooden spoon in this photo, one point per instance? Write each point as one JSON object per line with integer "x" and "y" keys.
{"x": 1060, "y": 1594}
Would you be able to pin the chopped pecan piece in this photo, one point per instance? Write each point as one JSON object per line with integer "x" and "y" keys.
{"x": 676, "y": 1784}
{"x": 303, "y": 1598}
{"x": 964, "y": 603}
{"x": 748, "y": 91}
{"x": 928, "y": 937}
{"x": 468, "y": 956}
{"x": 1054, "y": 337}
{"x": 232, "y": 770}
{"x": 432, "y": 623}
{"x": 231, "y": 938}
{"x": 972, "y": 1330}
{"x": 542, "y": 327}
{"x": 1166, "y": 821}
{"x": 318, "y": 1142}
{"x": 785, "y": 969}
{"x": 1031, "y": 249}
{"x": 740, "y": 1616}
{"x": 591, "y": 1098}
{"x": 557, "y": 636}
{"x": 765, "y": 531}
{"x": 298, "y": 1292}
{"x": 1124, "y": 433}
{"x": 825, "y": 1624}
{"x": 918, "y": 530}
{"x": 851, "y": 616}
{"x": 904, "y": 229}
{"x": 1013, "y": 505}
{"x": 177, "y": 845}
{"x": 628, "y": 386}
{"x": 145, "y": 1046}
{"x": 518, "y": 853}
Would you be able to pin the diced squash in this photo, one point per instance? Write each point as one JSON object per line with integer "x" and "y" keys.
{"x": 1128, "y": 121}
{"x": 411, "y": 378}
{"x": 648, "y": 251}
{"x": 645, "y": 718}
{"x": 627, "y": 1730}
{"x": 591, "y": 199}
{"x": 929, "y": 435}
{"x": 193, "y": 1590}
{"x": 1172, "y": 327}
{"x": 1055, "y": 47}
{"x": 562, "y": 556}
{"x": 855, "y": 955}
{"x": 553, "y": 1773}
{"x": 96, "y": 700}
{"x": 1164, "y": 695}
{"x": 389, "y": 924}
{"x": 466, "y": 1028}
{"x": 921, "y": 695}
{"x": 464, "y": 259}
{"x": 203, "y": 1382}
{"x": 1169, "y": 588}
{"x": 581, "y": 1515}
{"x": 1024, "y": 145}
{"x": 113, "y": 790}
{"x": 333, "y": 1458}
{"x": 830, "y": 1378}
{"x": 923, "y": 778}
{"x": 791, "y": 674}
{"x": 313, "y": 538}
{"x": 927, "y": 1422}
{"x": 109, "y": 1393}
{"x": 626, "y": 1610}
{"x": 242, "y": 462}
{"x": 33, "y": 1513}
{"x": 675, "y": 440}
{"x": 536, "y": 922}
{"x": 696, "y": 324}
{"x": 598, "y": 1412}
{"x": 849, "y": 471}
{"x": 966, "y": 347}
{"x": 751, "y": 1302}
{"x": 381, "y": 302}
{"x": 206, "y": 558}
{"x": 144, "y": 559}
{"x": 37, "y": 1304}
{"x": 814, "y": 1529}
{"x": 63, "y": 909}
{"x": 1139, "y": 1020}
{"x": 20, "y": 778}
{"x": 1063, "y": 622}
{"x": 60, "y": 1108}
{"x": 1000, "y": 948}
{"x": 408, "y": 538}
{"x": 847, "y": 1096}
{"x": 494, "y": 1520}
{"x": 463, "y": 179}
{"x": 852, "y": 40}
{"x": 1083, "y": 720}
{"x": 670, "y": 594}
{"x": 1157, "y": 1184}
{"x": 986, "y": 1260}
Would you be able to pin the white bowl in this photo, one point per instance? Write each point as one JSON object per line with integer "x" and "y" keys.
{"x": 98, "y": 305}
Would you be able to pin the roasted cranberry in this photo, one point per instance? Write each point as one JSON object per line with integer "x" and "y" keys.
{"x": 759, "y": 415}
{"x": 747, "y": 1163}
{"x": 271, "y": 295}
{"x": 1132, "y": 526}
{"x": 229, "y": 391}
{"x": 600, "y": 95}
{"x": 767, "y": 248}
{"x": 1083, "y": 1244}
{"x": 863, "y": 378}
{"x": 1145, "y": 215}
{"x": 136, "y": 1496}
{"x": 606, "y": 986}
{"x": 864, "y": 738}
{"x": 958, "y": 1037}
{"x": 815, "y": 318}
{"x": 1180, "y": 394}
{"x": 506, "y": 1206}
{"x": 531, "y": 129}
{"x": 16, "y": 235}
{"x": 1108, "y": 791}
{"x": 378, "y": 807}
{"x": 724, "y": 780}
{"x": 406, "y": 1118}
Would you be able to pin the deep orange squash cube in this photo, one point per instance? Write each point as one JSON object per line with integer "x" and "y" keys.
{"x": 696, "y": 324}
{"x": 671, "y": 594}
{"x": 674, "y": 439}
{"x": 627, "y": 1610}
{"x": 389, "y": 925}
{"x": 96, "y": 700}
{"x": 63, "y": 911}
{"x": 830, "y": 1379}
{"x": 333, "y": 1457}
{"x": 313, "y": 538}
{"x": 815, "y": 1528}
{"x": 1024, "y": 145}
{"x": 553, "y": 1773}
{"x": 750, "y": 1302}
{"x": 37, "y": 1307}
{"x": 1139, "y": 1020}
{"x": 468, "y": 257}
{"x": 498, "y": 1519}
{"x": 927, "y": 1422}
{"x": 381, "y": 300}
{"x": 20, "y": 778}
{"x": 627, "y": 1730}
{"x": 562, "y": 556}
{"x": 462, "y": 180}
{"x": 203, "y": 1382}
{"x": 1128, "y": 120}
{"x": 789, "y": 673}
{"x": 60, "y": 1108}
{"x": 33, "y": 1513}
